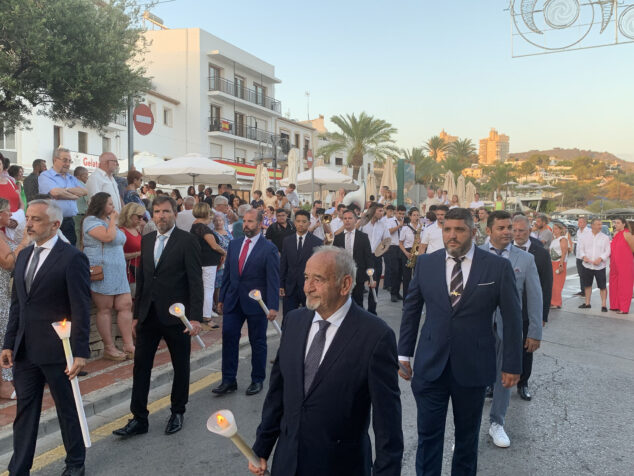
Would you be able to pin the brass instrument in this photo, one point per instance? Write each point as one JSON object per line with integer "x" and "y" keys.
{"x": 411, "y": 262}
{"x": 367, "y": 216}
{"x": 327, "y": 218}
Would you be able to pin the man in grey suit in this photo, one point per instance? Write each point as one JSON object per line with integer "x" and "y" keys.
{"x": 500, "y": 231}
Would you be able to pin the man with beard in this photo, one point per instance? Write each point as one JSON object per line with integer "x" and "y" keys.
{"x": 456, "y": 356}
{"x": 336, "y": 365}
{"x": 252, "y": 263}
{"x": 170, "y": 272}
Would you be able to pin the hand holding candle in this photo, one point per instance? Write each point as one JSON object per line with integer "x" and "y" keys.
{"x": 63, "y": 329}
{"x": 178, "y": 310}
{"x": 370, "y": 272}
{"x": 223, "y": 423}
{"x": 256, "y": 295}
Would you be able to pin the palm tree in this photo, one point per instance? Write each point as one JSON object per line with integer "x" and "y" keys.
{"x": 360, "y": 136}
{"x": 435, "y": 146}
{"x": 498, "y": 174}
{"x": 463, "y": 149}
{"x": 427, "y": 169}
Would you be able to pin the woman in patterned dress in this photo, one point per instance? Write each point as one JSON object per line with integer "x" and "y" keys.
{"x": 224, "y": 237}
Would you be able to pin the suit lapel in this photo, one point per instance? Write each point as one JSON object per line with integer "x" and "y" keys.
{"x": 474, "y": 277}
{"x": 48, "y": 264}
{"x": 254, "y": 252}
{"x": 171, "y": 243}
{"x": 349, "y": 327}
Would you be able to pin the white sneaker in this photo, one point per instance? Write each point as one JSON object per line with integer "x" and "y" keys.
{"x": 500, "y": 438}
{"x": 215, "y": 315}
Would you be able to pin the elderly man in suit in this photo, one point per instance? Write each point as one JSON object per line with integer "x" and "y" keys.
{"x": 455, "y": 357}
{"x": 525, "y": 242}
{"x": 500, "y": 232}
{"x": 357, "y": 243}
{"x": 336, "y": 365}
{"x": 170, "y": 272}
{"x": 51, "y": 283}
{"x": 252, "y": 263}
{"x": 296, "y": 250}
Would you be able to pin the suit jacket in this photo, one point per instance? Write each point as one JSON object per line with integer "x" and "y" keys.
{"x": 176, "y": 278}
{"x": 463, "y": 334}
{"x": 292, "y": 266}
{"x": 261, "y": 271}
{"x": 361, "y": 253}
{"x": 60, "y": 290}
{"x": 325, "y": 432}
{"x": 545, "y": 272}
{"x": 526, "y": 282}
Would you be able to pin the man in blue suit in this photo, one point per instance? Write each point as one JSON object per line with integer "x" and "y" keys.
{"x": 296, "y": 249}
{"x": 52, "y": 283}
{"x": 455, "y": 357}
{"x": 500, "y": 231}
{"x": 252, "y": 263}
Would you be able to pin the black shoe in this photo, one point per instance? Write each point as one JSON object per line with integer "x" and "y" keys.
{"x": 585, "y": 306}
{"x": 604, "y": 309}
{"x": 76, "y": 471}
{"x": 524, "y": 393}
{"x": 488, "y": 393}
{"x": 82, "y": 373}
{"x": 134, "y": 427}
{"x": 394, "y": 298}
{"x": 580, "y": 293}
{"x": 255, "y": 387}
{"x": 174, "y": 424}
{"x": 225, "y": 388}
{"x": 400, "y": 297}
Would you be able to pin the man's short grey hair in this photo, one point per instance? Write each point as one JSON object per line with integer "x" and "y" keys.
{"x": 221, "y": 200}
{"x": 59, "y": 150}
{"x": 242, "y": 209}
{"x": 189, "y": 200}
{"x": 522, "y": 218}
{"x": 53, "y": 210}
{"x": 344, "y": 263}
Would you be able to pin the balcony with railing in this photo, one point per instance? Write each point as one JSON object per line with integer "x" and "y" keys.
{"x": 120, "y": 119}
{"x": 239, "y": 129}
{"x": 244, "y": 93}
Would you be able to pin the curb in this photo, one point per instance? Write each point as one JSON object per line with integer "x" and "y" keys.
{"x": 105, "y": 398}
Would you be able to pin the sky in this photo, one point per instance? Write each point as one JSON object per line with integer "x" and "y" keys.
{"x": 425, "y": 66}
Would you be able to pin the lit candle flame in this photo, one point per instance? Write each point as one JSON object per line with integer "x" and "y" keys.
{"x": 177, "y": 309}
{"x": 64, "y": 323}
{"x": 222, "y": 421}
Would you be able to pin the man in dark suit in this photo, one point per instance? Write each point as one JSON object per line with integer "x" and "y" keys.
{"x": 252, "y": 263}
{"x": 296, "y": 250}
{"x": 456, "y": 357}
{"x": 523, "y": 240}
{"x": 358, "y": 244}
{"x": 278, "y": 231}
{"x": 51, "y": 283}
{"x": 170, "y": 273}
{"x": 335, "y": 363}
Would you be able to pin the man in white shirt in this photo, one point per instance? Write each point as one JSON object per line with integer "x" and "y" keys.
{"x": 336, "y": 225}
{"x": 477, "y": 203}
{"x": 432, "y": 236}
{"x": 317, "y": 227}
{"x": 394, "y": 222}
{"x": 582, "y": 232}
{"x": 102, "y": 179}
{"x": 185, "y": 219}
{"x": 292, "y": 197}
{"x": 429, "y": 201}
{"x": 595, "y": 251}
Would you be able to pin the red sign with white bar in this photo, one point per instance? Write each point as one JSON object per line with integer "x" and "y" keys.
{"x": 143, "y": 119}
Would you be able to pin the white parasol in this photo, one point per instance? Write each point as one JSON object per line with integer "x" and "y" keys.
{"x": 190, "y": 168}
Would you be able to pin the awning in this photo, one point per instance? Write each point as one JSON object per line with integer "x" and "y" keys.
{"x": 247, "y": 171}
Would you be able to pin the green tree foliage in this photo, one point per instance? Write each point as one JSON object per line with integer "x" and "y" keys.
{"x": 427, "y": 169}
{"x": 526, "y": 169}
{"x": 434, "y": 146}
{"x": 586, "y": 168}
{"x": 78, "y": 60}
{"x": 460, "y": 155}
{"x": 498, "y": 174}
{"x": 359, "y": 136}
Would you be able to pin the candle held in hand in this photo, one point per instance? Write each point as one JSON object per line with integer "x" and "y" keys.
{"x": 178, "y": 310}
{"x": 256, "y": 295}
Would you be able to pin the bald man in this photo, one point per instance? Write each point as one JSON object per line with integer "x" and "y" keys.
{"x": 102, "y": 179}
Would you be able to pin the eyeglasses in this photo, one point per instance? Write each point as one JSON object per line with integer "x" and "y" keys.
{"x": 66, "y": 161}
{"x": 140, "y": 217}
{"x": 113, "y": 160}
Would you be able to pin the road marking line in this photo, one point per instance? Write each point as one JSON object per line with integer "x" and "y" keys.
{"x": 100, "y": 433}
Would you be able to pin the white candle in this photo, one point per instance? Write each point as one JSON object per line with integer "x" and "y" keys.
{"x": 370, "y": 272}
{"x": 62, "y": 329}
{"x": 256, "y": 295}
{"x": 178, "y": 310}
{"x": 223, "y": 423}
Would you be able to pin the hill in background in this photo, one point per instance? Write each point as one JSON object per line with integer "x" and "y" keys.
{"x": 570, "y": 154}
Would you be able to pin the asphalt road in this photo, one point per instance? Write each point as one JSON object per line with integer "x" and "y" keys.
{"x": 579, "y": 421}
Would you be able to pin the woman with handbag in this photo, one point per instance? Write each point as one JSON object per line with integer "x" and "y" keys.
{"x": 558, "y": 255}
{"x": 103, "y": 245}
{"x": 131, "y": 223}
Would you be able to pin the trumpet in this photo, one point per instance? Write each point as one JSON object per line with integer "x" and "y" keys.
{"x": 327, "y": 218}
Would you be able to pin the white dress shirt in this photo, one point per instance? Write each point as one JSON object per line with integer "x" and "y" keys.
{"x": 185, "y": 220}
{"x": 336, "y": 319}
{"x": 319, "y": 231}
{"x": 254, "y": 240}
{"x": 335, "y": 224}
{"x": 345, "y": 238}
{"x": 376, "y": 232}
{"x": 99, "y": 181}
{"x": 477, "y": 204}
{"x": 526, "y": 245}
{"x": 156, "y": 244}
{"x": 297, "y": 235}
{"x": 432, "y": 237}
{"x": 593, "y": 247}
{"x": 408, "y": 236}
{"x": 46, "y": 250}
{"x": 391, "y": 223}
{"x": 581, "y": 234}
{"x": 505, "y": 252}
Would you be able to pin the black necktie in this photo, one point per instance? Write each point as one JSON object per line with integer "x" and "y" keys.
{"x": 498, "y": 252}
{"x": 300, "y": 245}
{"x": 313, "y": 358}
{"x": 523, "y": 248}
{"x": 455, "y": 289}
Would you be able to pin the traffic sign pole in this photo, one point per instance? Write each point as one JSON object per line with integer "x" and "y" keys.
{"x": 130, "y": 136}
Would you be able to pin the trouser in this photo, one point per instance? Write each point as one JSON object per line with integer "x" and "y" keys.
{"x": 580, "y": 269}
{"x": 501, "y": 395}
{"x": 393, "y": 270}
{"x": 293, "y": 301}
{"x": 231, "y": 328}
{"x": 527, "y": 359}
{"x": 77, "y": 219}
{"x": 148, "y": 336}
{"x": 432, "y": 400}
{"x": 559, "y": 280}
{"x": 29, "y": 380}
{"x": 209, "y": 281}
{"x": 68, "y": 229}
{"x": 407, "y": 273}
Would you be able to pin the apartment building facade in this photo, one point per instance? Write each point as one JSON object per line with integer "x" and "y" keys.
{"x": 493, "y": 149}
